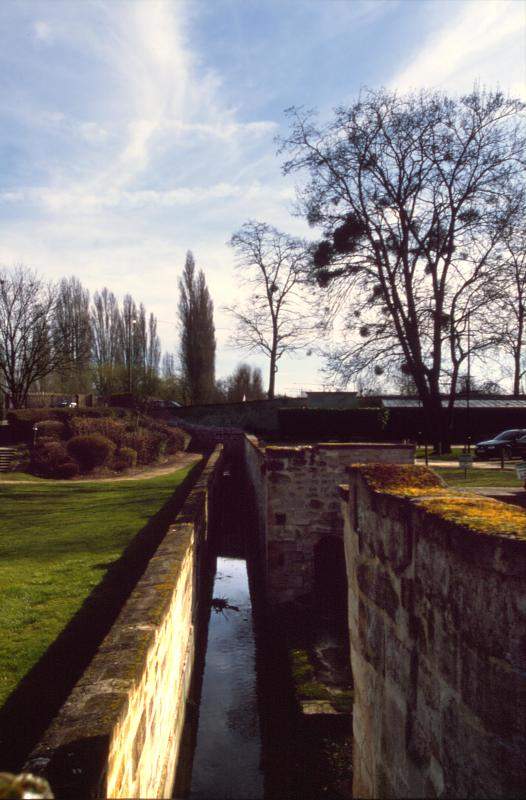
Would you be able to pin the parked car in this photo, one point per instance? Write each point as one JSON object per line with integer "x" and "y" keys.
{"x": 66, "y": 404}
{"x": 505, "y": 444}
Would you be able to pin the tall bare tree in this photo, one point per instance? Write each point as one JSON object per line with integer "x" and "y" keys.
{"x": 108, "y": 342}
{"x": 413, "y": 194}
{"x": 512, "y": 301}
{"x": 198, "y": 343}
{"x": 28, "y": 350}
{"x": 72, "y": 327}
{"x": 273, "y": 319}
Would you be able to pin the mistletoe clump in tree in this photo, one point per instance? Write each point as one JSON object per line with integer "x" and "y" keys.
{"x": 414, "y": 195}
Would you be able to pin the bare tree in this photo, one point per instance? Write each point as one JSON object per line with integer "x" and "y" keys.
{"x": 28, "y": 350}
{"x": 413, "y": 194}
{"x": 72, "y": 327}
{"x": 273, "y": 319}
{"x": 108, "y": 342}
{"x": 512, "y": 301}
{"x": 245, "y": 383}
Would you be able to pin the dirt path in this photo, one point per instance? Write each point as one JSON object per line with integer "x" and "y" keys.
{"x": 183, "y": 460}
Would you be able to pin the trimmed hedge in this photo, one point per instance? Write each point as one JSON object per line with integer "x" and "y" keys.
{"x": 113, "y": 429}
{"x": 323, "y": 424}
{"x": 90, "y": 451}
{"x": 126, "y": 458}
{"x": 52, "y": 428}
{"x": 148, "y": 445}
{"x": 51, "y": 460}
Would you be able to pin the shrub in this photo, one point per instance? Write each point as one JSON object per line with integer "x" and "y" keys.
{"x": 49, "y": 458}
{"x": 175, "y": 438}
{"x": 51, "y": 428}
{"x": 126, "y": 458}
{"x": 91, "y": 450}
{"x": 21, "y": 420}
{"x": 21, "y": 461}
{"x": 147, "y": 444}
{"x": 112, "y": 429}
{"x": 68, "y": 469}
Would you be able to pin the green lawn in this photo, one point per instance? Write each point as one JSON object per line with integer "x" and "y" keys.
{"x": 20, "y": 476}
{"x": 57, "y": 541}
{"x": 453, "y": 456}
{"x": 478, "y": 477}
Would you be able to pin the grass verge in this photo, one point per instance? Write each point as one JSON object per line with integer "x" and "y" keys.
{"x": 57, "y": 542}
{"x": 478, "y": 477}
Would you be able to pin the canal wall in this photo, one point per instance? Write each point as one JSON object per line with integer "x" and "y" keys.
{"x": 296, "y": 490}
{"x": 119, "y": 732}
{"x": 437, "y": 620}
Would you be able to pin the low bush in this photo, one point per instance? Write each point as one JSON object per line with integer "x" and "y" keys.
{"x": 22, "y": 460}
{"x": 125, "y": 458}
{"x": 21, "y": 420}
{"x": 51, "y": 460}
{"x": 68, "y": 469}
{"x": 51, "y": 428}
{"x": 149, "y": 445}
{"x": 91, "y": 450}
{"x": 175, "y": 437}
{"x": 112, "y": 429}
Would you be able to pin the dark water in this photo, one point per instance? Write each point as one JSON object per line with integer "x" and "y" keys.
{"x": 228, "y": 746}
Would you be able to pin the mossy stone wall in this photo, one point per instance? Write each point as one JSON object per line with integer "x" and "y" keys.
{"x": 437, "y": 620}
{"x": 118, "y": 733}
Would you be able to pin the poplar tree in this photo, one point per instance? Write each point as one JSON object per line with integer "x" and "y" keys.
{"x": 198, "y": 343}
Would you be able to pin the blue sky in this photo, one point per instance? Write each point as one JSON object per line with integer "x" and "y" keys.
{"x": 133, "y": 130}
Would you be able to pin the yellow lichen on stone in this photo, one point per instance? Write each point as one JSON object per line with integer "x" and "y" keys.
{"x": 419, "y": 483}
{"x": 478, "y": 513}
{"x": 405, "y": 480}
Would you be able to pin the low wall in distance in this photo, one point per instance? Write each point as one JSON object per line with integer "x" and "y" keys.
{"x": 118, "y": 734}
{"x": 437, "y": 619}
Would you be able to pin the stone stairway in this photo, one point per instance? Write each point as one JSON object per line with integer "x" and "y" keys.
{"x": 7, "y": 456}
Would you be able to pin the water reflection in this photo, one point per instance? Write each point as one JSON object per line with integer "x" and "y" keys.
{"x": 228, "y": 747}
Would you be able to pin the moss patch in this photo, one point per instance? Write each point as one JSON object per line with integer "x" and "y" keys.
{"x": 481, "y": 514}
{"x": 404, "y": 480}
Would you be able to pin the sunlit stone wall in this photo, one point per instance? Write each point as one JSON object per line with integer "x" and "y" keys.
{"x": 119, "y": 732}
{"x": 437, "y": 619}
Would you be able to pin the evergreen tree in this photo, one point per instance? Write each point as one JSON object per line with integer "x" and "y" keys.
{"x": 198, "y": 344}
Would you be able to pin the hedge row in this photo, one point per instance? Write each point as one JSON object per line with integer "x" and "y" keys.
{"x": 394, "y": 424}
{"x": 69, "y": 441}
{"x": 320, "y": 424}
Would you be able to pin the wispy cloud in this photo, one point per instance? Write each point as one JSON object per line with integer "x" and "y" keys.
{"x": 473, "y": 46}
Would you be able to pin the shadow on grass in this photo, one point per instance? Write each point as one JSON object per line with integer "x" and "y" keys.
{"x": 30, "y": 708}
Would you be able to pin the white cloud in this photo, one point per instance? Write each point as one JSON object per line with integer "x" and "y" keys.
{"x": 92, "y": 132}
{"x": 42, "y": 31}
{"x": 474, "y": 46}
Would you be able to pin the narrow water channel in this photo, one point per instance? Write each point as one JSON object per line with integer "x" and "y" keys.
{"x": 227, "y": 759}
{"x": 245, "y": 735}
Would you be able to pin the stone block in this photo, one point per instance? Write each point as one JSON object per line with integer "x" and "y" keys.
{"x": 494, "y": 691}
{"x": 376, "y": 583}
{"x": 371, "y": 633}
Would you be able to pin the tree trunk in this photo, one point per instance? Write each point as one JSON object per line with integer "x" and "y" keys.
{"x": 272, "y": 376}
{"x": 437, "y": 421}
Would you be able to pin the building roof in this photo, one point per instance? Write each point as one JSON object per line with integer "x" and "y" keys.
{"x": 490, "y": 401}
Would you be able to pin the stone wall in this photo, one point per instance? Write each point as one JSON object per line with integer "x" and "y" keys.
{"x": 297, "y": 490}
{"x": 437, "y": 619}
{"x": 254, "y": 416}
{"x": 118, "y": 734}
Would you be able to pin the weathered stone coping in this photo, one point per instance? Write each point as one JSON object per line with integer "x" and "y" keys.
{"x": 489, "y": 532}
{"x": 74, "y": 752}
{"x": 292, "y": 450}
